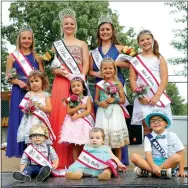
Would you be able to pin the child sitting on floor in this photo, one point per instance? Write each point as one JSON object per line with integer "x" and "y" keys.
{"x": 96, "y": 159}
{"x": 163, "y": 150}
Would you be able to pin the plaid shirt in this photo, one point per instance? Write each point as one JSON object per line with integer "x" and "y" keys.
{"x": 43, "y": 148}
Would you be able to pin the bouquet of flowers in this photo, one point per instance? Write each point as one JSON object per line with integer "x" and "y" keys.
{"x": 48, "y": 57}
{"x": 129, "y": 51}
{"x": 74, "y": 100}
{"x": 12, "y": 74}
{"x": 140, "y": 91}
{"x": 112, "y": 90}
{"x": 30, "y": 107}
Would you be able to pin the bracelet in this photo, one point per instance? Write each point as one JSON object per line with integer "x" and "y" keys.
{"x": 96, "y": 102}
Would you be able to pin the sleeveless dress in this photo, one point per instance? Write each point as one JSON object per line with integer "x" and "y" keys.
{"x": 15, "y": 149}
{"x": 141, "y": 111}
{"x": 112, "y": 121}
{"x": 29, "y": 120}
{"x": 77, "y": 131}
{"x": 101, "y": 152}
{"x": 113, "y": 53}
{"x": 61, "y": 90}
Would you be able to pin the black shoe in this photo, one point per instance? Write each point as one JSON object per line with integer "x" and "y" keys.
{"x": 43, "y": 174}
{"x": 21, "y": 177}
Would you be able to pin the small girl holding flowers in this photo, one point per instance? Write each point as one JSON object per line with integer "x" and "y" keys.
{"x": 79, "y": 119}
{"x": 110, "y": 114}
{"x": 35, "y": 105}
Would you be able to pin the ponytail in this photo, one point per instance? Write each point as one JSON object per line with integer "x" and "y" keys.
{"x": 156, "y": 48}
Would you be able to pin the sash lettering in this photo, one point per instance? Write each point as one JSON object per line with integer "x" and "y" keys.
{"x": 93, "y": 162}
{"x": 100, "y": 85}
{"x": 23, "y": 62}
{"x": 149, "y": 79}
{"x": 156, "y": 144}
{"x": 41, "y": 115}
{"x": 40, "y": 159}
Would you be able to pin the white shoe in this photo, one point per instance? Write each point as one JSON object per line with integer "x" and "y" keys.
{"x": 141, "y": 173}
{"x": 166, "y": 173}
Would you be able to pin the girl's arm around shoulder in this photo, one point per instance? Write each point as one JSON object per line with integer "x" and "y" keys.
{"x": 39, "y": 60}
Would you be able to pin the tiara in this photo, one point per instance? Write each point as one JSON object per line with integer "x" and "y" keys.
{"x": 77, "y": 78}
{"x": 66, "y": 13}
{"x": 105, "y": 19}
{"x": 25, "y": 28}
{"x": 107, "y": 59}
{"x": 145, "y": 31}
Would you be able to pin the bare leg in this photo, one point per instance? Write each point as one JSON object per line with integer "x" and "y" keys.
{"x": 140, "y": 162}
{"x": 105, "y": 175}
{"x": 171, "y": 162}
{"x": 74, "y": 175}
{"x": 118, "y": 153}
{"x": 147, "y": 130}
{"x": 76, "y": 151}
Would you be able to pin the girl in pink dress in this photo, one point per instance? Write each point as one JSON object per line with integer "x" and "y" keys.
{"x": 79, "y": 119}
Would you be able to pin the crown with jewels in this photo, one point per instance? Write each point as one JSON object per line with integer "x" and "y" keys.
{"x": 107, "y": 59}
{"x": 25, "y": 28}
{"x": 77, "y": 78}
{"x": 144, "y": 31}
{"x": 66, "y": 13}
{"x": 105, "y": 19}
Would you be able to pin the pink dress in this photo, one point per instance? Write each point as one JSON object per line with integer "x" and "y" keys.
{"x": 77, "y": 131}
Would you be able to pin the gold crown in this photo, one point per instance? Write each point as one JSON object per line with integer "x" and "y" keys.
{"x": 39, "y": 129}
{"x": 105, "y": 19}
{"x": 66, "y": 13}
{"x": 25, "y": 28}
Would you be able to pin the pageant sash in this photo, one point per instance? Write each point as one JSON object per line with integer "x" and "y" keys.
{"x": 95, "y": 163}
{"x": 149, "y": 79}
{"x": 100, "y": 85}
{"x": 23, "y": 62}
{"x": 41, "y": 115}
{"x": 89, "y": 118}
{"x": 156, "y": 144}
{"x": 40, "y": 159}
{"x": 68, "y": 62}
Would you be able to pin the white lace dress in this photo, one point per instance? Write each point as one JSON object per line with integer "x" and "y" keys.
{"x": 28, "y": 119}
{"x": 112, "y": 121}
{"x": 141, "y": 111}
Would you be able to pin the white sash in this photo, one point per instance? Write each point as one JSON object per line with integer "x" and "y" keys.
{"x": 89, "y": 118}
{"x": 100, "y": 85}
{"x": 68, "y": 63}
{"x": 23, "y": 62}
{"x": 149, "y": 79}
{"x": 40, "y": 159}
{"x": 41, "y": 115}
{"x": 93, "y": 162}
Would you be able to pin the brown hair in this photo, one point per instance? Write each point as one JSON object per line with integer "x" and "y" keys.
{"x": 44, "y": 78}
{"x": 155, "y": 45}
{"x": 96, "y": 129}
{"x": 114, "y": 38}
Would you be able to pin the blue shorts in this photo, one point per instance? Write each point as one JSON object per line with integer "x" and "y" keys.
{"x": 159, "y": 161}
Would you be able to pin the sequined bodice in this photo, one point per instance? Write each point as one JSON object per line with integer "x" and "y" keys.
{"x": 76, "y": 52}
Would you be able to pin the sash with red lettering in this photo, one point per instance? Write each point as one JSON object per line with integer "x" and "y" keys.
{"x": 149, "y": 79}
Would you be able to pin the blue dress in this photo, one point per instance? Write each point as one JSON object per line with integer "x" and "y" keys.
{"x": 113, "y": 53}
{"x": 101, "y": 152}
{"x": 15, "y": 149}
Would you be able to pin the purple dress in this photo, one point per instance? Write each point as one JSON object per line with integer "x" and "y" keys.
{"x": 15, "y": 149}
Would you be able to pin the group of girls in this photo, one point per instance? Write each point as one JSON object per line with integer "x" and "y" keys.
{"x": 70, "y": 124}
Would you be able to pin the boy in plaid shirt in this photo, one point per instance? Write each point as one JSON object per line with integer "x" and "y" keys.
{"x": 28, "y": 167}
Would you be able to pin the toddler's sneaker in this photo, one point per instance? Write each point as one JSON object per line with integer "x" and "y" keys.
{"x": 21, "y": 177}
{"x": 43, "y": 174}
{"x": 142, "y": 173}
{"x": 166, "y": 173}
